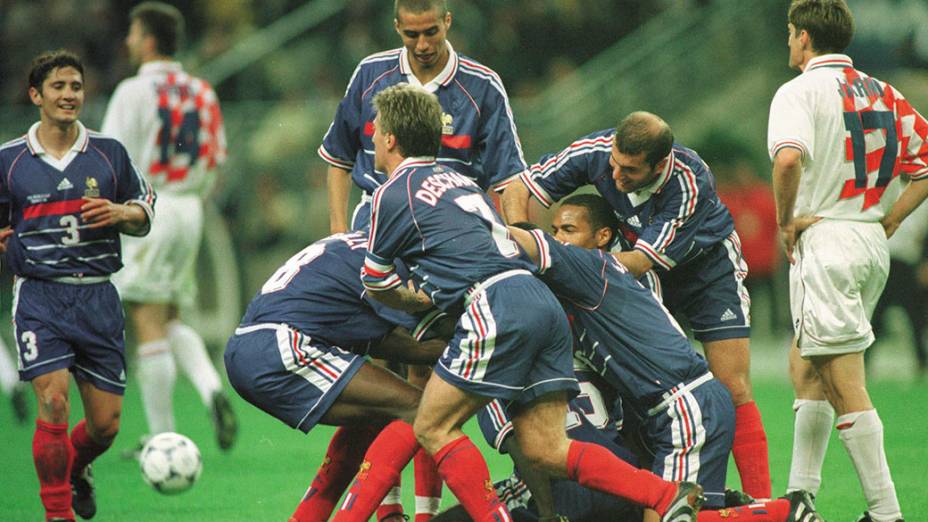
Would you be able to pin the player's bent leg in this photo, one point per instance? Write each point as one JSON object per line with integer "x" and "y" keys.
{"x": 730, "y": 362}
{"x": 52, "y": 451}
{"x": 812, "y": 425}
{"x": 861, "y": 430}
{"x": 156, "y": 370}
{"x": 374, "y": 393}
{"x": 539, "y": 429}
{"x": 90, "y": 438}
{"x": 428, "y": 481}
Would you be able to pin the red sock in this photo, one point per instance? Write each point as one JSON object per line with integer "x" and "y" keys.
{"x": 598, "y": 468}
{"x": 341, "y": 462}
{"x": 392, "y": 504}
{"x": 750, "y": 451}
{"x": 383, "y": 462}
{"x": 53, "y": 453}
{"x": 85, "y": 448}
{"x": 428, "y": 486}
{"x": 462, "y": 467}
{"x": 770, "y": 511}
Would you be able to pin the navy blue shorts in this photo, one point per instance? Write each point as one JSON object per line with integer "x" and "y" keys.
{"x": 80, "y": 327}
{"x": 287, "y": 374}
{"x": 709, "y": 292}
{"x": 691, "y": 438}
{"x": 512, "y": 342}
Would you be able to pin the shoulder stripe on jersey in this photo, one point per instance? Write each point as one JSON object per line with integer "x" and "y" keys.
{"x": 544, "y": 254}
{"x": 12, "y": 143}
{"x": 475, "y": 69}
{"x": 382, "y": 55}
{"x": 539, "y": 193}
{"x": 577, "y": 148}
{"x": 9, "y": 174}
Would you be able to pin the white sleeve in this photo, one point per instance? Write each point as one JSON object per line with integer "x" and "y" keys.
{"x": 791, "y": 122}
{"x": 121, "y": 120}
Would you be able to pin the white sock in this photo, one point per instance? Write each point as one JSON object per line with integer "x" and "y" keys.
{"x": 156, "y": 374}
{"x": 191, "y": 356}
{"x": 810, "y": 442}
{"x": 9, "y": 375}
{"x": 862, "y": 435}
{"x": 394, "y": 496}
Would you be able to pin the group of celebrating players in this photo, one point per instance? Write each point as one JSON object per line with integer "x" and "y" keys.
{"x": 565, "y": 345}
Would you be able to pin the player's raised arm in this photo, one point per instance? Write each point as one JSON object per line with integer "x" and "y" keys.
{"x": 514, "y": 201}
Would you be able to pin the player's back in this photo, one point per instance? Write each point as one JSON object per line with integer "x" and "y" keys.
{"x": 445, "y": 229}
{"x": 318, "y": 292}
{"x": 171, "y": 124}
{"x": 621, "y": 329}
{"x": 854, "y": 130}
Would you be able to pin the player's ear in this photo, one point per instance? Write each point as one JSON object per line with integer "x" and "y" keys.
{"x": 35, "y": 96}
{"x": 603, "y": 237}
{"x": 447, "y": 20}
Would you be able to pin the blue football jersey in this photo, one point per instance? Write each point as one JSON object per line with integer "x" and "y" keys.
{"x": 318, "y": 292}
{"x": 479, "y": 136}
{"x": 44, "y": 198}
{"x": 621, "y": 330}
{"x": 671, "y": 221}
{"x": 444, "y": 227}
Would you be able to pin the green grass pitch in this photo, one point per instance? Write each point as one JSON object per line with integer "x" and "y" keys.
{"x": 265, "y": 474}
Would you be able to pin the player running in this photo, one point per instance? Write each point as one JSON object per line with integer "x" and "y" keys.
{"x": 67, "y": 193}
{"x": 170, "y": 123}
{"x": 299, "y": 355}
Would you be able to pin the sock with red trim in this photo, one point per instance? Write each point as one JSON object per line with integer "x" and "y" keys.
{"x": 341, "y": 462}
{"x": 462, "y": 467}
{"x": 52, "y": 453}
{"x": 597, "y": 468}
{"x": 750, "y": 451}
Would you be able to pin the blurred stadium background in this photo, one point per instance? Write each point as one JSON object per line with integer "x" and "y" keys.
{"x": 709, "y": 67}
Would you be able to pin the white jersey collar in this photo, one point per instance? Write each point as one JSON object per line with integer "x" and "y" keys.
{"x": 417, "y": 161}
{"x": 443, "y": 78}
{"x": 160, "y": 67}
{"x": 829, "y": 60}
{"x": 36, "y": 148}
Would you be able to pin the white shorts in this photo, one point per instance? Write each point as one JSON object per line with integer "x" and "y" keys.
{"x": 161, "y": 267}
{"x": 841, "y": 268}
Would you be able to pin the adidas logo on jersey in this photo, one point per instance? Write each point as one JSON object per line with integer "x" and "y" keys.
{"x": 729, "y": 315}
{"x": 65, "y": 184}
{"x": 634, "y": 221}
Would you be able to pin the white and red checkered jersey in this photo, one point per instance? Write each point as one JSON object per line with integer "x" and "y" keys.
{"x": 170, "y": 123}
{"x": 856, "y": 134}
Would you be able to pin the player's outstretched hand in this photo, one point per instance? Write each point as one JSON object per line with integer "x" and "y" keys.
{"x": 100, "y": 212}
{"x": 4, "y": 237}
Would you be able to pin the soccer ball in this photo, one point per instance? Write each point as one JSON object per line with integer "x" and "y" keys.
{"x": 170, "y": 463}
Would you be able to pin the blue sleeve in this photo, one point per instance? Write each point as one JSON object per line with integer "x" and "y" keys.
{"x": 500, "y": 149}
{"x": 495, "y": 424}
{"x": 342, "y": 141}
{"x": 132, "y": 186}
{"x": 5, "y": 207}
{"x": 572, "y": 272}
{"x": 390, "y": 228}
{"x": 557, "y": 175}
{"x": 678, "y": 215}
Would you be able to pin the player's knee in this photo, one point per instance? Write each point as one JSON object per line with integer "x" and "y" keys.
{"x": 428, "y": 434}
{"x": 739, "y": 386}
{"x": 104, "y": 428}
{"x": 54, "y": 406}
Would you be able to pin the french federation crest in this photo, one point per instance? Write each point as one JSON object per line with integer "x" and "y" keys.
{"x": 93, "y": 189}
{"x": 446, "y": 124}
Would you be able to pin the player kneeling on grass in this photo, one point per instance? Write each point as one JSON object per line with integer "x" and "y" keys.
{"x": 67, "y": 193}
{"x": 299, "y": 354}
{"x": 626, "y": 336}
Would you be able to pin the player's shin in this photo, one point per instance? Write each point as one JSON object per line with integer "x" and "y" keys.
{"x": 341, "y": 462}
{"x": 750, "y": 451}
{"x": 385, "y": 459}
{"x": 462, "y": 467}
{"x": 597, "y": 468}
{"x": 428, "y": 486}
{"x": 53, "y": 454}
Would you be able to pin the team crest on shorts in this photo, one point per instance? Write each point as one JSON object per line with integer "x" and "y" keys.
{"x": 93, "y": 188}
{"x": 446, "y": 124}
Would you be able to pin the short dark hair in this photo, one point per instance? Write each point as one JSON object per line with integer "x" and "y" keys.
{"x": 419, "y": 6}
{"x": 47, "y": 62}
{"x": 164, "y": 22}
{"x": 413, "y": 115}
{"x": 644, "y": 132}
{"x": 829, "y": 23}
{"x": 599, "y": 212}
